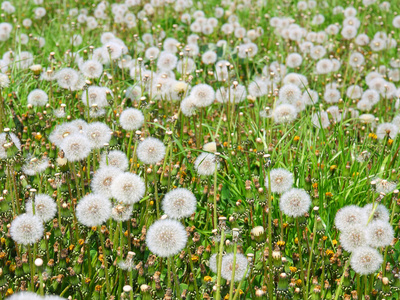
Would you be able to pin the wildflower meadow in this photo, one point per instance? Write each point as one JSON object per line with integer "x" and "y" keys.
{"x": 194, "y": 149}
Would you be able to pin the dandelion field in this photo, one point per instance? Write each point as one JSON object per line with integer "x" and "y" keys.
{"x": 179, "y": 149}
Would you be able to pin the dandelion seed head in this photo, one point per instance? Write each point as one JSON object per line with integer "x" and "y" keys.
{"x": 205, "y": 164}
{"x": 179, "y": 203}
{"x": 166, "y": 237}
{"x": 114, "y": 158}
{"x": 353, "y": 237}
{"x": 128, "y": 188}
{"x": 93, "y": 210}
{"x": 281, "y": 180}
{"x": 366, "y": 260}
{"x": 103, "y": 179}
{"x": 202, "y": 94}
{"x": 76, "y": 147}
{"x": 228, "y": 266}
{"x": 98, "y": 134}
{"x": 26, "y": 229}
{"x": 380, "y": 213}
{"x": 350, "y": 215}
{"x": 45, "y": 207}
{"x": 295, "y": 202}
{"x": 379, "y": 234}
{"x": 151, "y": 150}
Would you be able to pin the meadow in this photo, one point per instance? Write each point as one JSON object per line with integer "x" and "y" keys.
{"x": 180, "y": 149}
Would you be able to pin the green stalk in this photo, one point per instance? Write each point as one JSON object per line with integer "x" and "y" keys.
{"x": 219, "y": 266}
{"x": 169, "y": 272}
{"x": 177, "y": 287}
{"x": 30, "y": 254}
{"x": 301, "y": 260}
{"x": 156, "y": 191}
{"x": 270, "y": 281}
{"x": 339, "y": 288}
{"x": 105, "y": 261}
{"x": 215, "y": 197}
{"x": 240, "y": 284}
{"x": 233, "y": 271}
{"x": 310, "y": 258}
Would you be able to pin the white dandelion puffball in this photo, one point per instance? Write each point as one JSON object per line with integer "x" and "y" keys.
{"x": 380, "y": 212}
{"x": 114, "y": 158}
{"x": 76, "y": 147}
{"x": 281, "y": 180}
{"x": 166, "y": 61}
{"x": 295, "y": 202}
{"x": 366, "y": 260}
{"x": 353, "y": 237}
{"x": 4, "y": 140}
{"x": 45, "y": 207}
{"x": 128, "y": 188}
{"x": 25, "y": 296}
{"x": 213, "y": 263}
{"x": 379, "y": 234}
{"x": 227, "y": 266}
{"x": 166, "y": 237}
{"x": 151, "y": 150}
{"x": 387, "y": 129}
{"x": 320, "y": 120}
{"x": 350, "y": 215}
{"x": 121, "y": 212}
{"x": 289, "y": 93}
{"x": 38, "y": 97}
{"x": 284, "y": 113}
{"x": 98, "y": 134}
{"x": 131, "y": 119}
{"x": 67, "y": 78}
{"x": 202, "y": 94}
{"x": 93, "y": 210}
{"x": 62, "y": 131}
{"x": 206, "y": 163}
{"x": 179, "y": 203}
{"x": 92, "y": 68}
{"x": 384, "y": 186}
{"x": 26, "y": 229}
{"x": 103, "y": 179}
{"x": 4, "y": 81}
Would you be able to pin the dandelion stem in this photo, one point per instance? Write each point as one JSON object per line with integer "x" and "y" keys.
{"x": 156, "y": 191}
{"x": 30, "y": 255}
{"x": 169, "y": 272}
{"x": 310, "y": 258}
{"x": 219, "y": 265}
{"x": 339, "y": 288}
{"x": 270, "y": 281}
{"x": 215, "y": 197}
{"x": 176, "y": 281}
{"x": 299, "y": 237}
{"x": 103, "y": 248}
{"x": 233, "y": 271}
{"x": 240, "y": 284}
